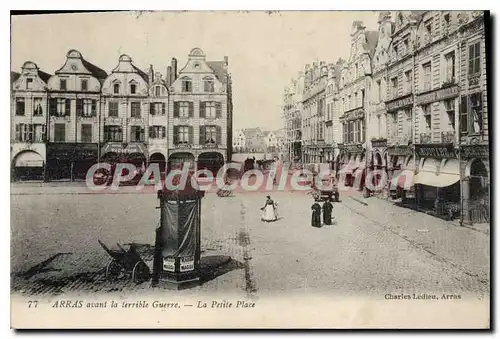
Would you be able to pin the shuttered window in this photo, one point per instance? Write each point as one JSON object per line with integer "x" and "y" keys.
{"x": 157, "y": 132}
{"x": 113, "y": 133}
{"x": 136, "y": 134}
{"x": 157, "y": 108}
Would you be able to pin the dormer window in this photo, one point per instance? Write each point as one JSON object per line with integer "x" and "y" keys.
{"x": 116, "y": 88}
{"x": 84, "y": 84}
{"x": 29, "y": 83}
{"x": 157, "y": 91}
{"x": 62, "y": 85}
{"x": 187, "y": 85}
{"x": 133, "y": 88}
{"x": 208, "y": 85}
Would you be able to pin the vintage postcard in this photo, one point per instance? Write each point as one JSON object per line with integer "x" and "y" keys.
{"x": 250, "y": 169}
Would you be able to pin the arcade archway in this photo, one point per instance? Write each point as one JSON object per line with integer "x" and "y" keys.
{"x": 177, "y": 161}
{"x": 211, "y": 161}
{"x": 158, "y": 158}
{"x": 478, "y": 181}
{"x": 28, "y": 165}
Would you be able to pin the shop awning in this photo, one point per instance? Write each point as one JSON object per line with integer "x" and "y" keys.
{"x": 431, "y": 179}
{"x": 29, "y": 159}
{"x": 448, "y": 174}
{"x": 405, "y": 180}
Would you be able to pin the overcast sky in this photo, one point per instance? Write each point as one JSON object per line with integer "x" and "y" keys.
{"x": 265, "y": 50}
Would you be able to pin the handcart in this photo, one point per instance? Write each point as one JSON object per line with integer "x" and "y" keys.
{"x": 126, "y": 264}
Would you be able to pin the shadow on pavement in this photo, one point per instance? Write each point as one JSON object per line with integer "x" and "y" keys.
{"x": 214, "y": 266}
{"x": 50, "y": 276}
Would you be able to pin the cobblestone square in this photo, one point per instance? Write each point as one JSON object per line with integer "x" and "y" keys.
{"x": 374, "y": 249}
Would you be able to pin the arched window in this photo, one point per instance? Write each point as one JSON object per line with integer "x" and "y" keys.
{"x": 116, "y": 88}
{"x": 187, "y": 84}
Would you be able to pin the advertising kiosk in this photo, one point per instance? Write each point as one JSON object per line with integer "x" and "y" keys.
{"x": 178, "y": 238}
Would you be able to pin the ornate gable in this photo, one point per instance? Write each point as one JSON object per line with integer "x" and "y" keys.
{"x": 74, "y": 64}
{"x": 31, "y": 78}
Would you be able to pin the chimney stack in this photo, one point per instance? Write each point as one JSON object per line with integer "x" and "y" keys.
{"x": 168, "y": 79}
{"x": 174, "y": 70}
{"x": 151, "y": 73}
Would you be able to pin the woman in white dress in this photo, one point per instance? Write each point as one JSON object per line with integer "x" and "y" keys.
{"x": 269, "y": 210}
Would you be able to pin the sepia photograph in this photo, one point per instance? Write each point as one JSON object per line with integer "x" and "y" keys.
{"x": 250, "y": 169}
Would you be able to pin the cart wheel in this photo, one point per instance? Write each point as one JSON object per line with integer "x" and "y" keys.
{"x": 113, "y": 270}
{"x": 140, "y": 273}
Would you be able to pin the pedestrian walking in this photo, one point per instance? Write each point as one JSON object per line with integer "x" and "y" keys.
{"x": 327, "y": 211}
{"x": 269, "y": 210}
{"x": 316, "y": 214}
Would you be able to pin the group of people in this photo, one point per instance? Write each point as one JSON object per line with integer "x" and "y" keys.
{"x": 270, "y": 212}
{"x": 327, "y": 209}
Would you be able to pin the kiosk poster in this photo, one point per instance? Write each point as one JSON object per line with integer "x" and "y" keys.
{"x": 280, "y": 169}
{"x": 187, "y": 264}
{"x": 169, "y": 264}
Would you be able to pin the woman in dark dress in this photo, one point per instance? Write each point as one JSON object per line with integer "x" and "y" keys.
{"x": 327, "y": 212}
{"x": 316, "y": 214}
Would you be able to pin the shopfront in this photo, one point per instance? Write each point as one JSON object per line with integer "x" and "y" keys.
{"x": 133, "y": 153}
{"x": 378, "y": 162}
{"x": 70, "y": 161}
{"x": 399, "y": 171}
{"x": 351, "y": 159}
{"x": 476, "y": 183}
{"x": 437, "y": 182}
{"x": 28, "y": 162}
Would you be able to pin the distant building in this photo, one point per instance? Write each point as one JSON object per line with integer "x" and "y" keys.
{"x": 281, "y": 140}
{"x": 271, "y": 141}
{"x": 254, "y": 141}
{"x": 239, "y": 141}
{"x": 292, "y": 108}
